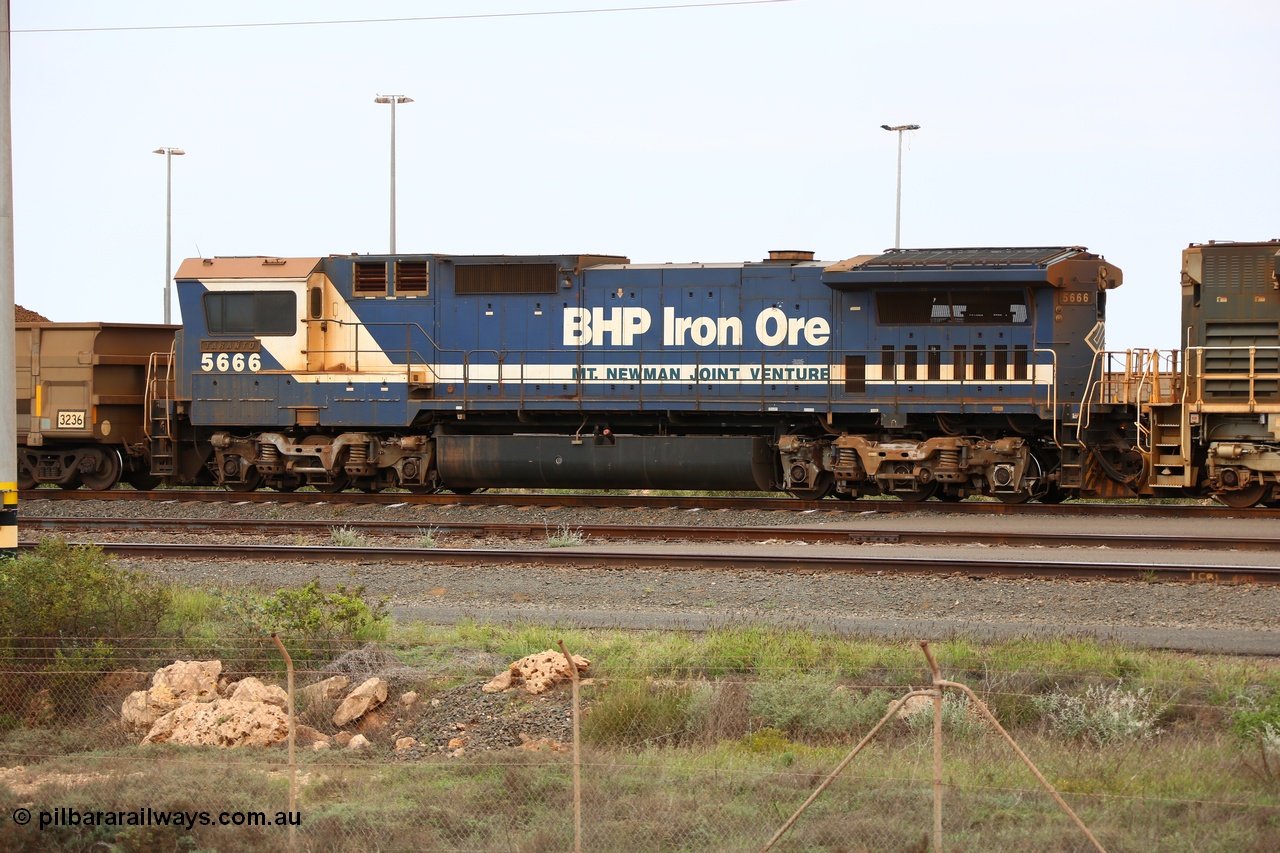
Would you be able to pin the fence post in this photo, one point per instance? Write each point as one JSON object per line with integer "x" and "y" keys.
{"x": 293, "y": 765}
{"x": 937, "y": 747}
{"x": 577, "y": 756}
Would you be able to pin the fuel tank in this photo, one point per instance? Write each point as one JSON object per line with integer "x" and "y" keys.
{"x": 730, "y": 463}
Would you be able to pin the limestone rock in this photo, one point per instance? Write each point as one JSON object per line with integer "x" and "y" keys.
{"x": 307, "y": 736}
{"x": 171, "y": 687}
{"x": 408, "y": 700}
{"x": 536, "y": 673}
{"x": 223, "y": 723}
{"x": 364, "y": 698}
{"x": 341, "y": 739}
{"x": 914, "y": 705}
{"x": 252, "y": 690}
{"x": 321, "y": 745}
{"x": 372, "y": 723}
{"x": 324, "y": 691}
{"x": 406, "y": 743}
{"x": 358, "y": 742}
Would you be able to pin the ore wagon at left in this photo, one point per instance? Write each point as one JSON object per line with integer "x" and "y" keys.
{"x": 81, "y": 394}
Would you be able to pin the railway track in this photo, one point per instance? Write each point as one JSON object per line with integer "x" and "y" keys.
{"x": 661, "y": 533}
{"x": 642, "y": 501}
{"x": 755, "y": 561}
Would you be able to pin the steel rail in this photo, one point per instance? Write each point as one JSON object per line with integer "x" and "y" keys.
{"x": 701, "y": 533}
{"x": 580, "y": 557}
{"x": 640, "y": 501}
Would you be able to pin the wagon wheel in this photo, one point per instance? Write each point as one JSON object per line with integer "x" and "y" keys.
{"x": 26, "y": 480}
{"x": 1243, "y": 498}
{"x": 73, "y": 483}
{"x": 822, "y": 486}
{"x": 948, "y": 496}
{"x": 915, "y": 496}
{"x": 422, "y": 489}
{"x": 1012, "y": 497}
{"x": 462, "y": 490}
{"x": 107, "y": 474}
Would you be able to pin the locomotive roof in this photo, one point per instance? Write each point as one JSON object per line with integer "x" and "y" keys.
{"x": 247, "y": 267}
{"x": 1052, "y": 265}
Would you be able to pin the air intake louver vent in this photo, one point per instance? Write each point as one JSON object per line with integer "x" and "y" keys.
{"x": 1227, "y": 352}
{"x": 477, "y": 279}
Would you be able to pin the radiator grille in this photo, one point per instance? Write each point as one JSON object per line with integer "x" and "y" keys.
{"x": 476, "y": 279}
{"x": 1227, "y": 351}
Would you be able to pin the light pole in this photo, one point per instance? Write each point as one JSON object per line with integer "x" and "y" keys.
{"x": 897, "y": 214}
{"x": 393, "y": 100}
{"x": 169, "y": 154}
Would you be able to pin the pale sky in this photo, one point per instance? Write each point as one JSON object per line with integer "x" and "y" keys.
{"x": 674, "y": 134}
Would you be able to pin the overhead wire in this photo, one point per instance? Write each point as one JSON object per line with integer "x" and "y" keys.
{"x": 415, "y": 19}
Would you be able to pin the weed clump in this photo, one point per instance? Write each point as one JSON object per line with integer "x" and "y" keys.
{"x": 1104, "y": 715}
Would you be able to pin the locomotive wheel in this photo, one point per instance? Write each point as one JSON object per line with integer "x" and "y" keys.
{"x": 107, "y": 474}
{"x": 252, "y": 479}
{"x": 915, "y": 496}
{"x": 333, "y": 488}
{"x": 823, "y": 485}
{"x": 142, "y": 481}
{"x": 1243, "y": 498}
{"x": 1055, "y": 495}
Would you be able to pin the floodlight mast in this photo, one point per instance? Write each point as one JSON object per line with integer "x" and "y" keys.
{"x": 169, "y": 154}
{"x": 897, "y": 214}
{"x": 393, "y": 100}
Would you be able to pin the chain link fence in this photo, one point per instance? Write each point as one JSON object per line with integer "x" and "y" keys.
{"x": 685, "y": 762}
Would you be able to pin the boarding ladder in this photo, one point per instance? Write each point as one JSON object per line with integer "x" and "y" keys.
{"x": 158, "y": 406}
{"x": 1150, "y": 381}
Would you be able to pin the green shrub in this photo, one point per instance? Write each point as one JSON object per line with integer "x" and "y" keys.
{"x": 314, "y": 624}
{"x": 646, "y": 713}
{"x": 816, "y": 711}
{"x": 66, "y": 614}
{"x": 67, "y": 593}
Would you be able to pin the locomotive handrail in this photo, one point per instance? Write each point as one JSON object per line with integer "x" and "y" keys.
{"x": 1252, "y": 376}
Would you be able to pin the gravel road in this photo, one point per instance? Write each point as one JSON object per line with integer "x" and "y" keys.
{"x": 1205, "y": 617}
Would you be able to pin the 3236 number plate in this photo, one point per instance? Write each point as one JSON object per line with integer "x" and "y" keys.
{"x": 70, "y": 419}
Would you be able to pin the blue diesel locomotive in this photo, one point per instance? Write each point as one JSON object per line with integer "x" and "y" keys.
{"x": 917, "y": 373}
